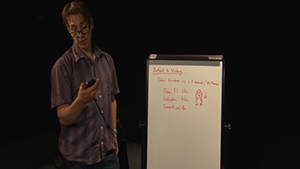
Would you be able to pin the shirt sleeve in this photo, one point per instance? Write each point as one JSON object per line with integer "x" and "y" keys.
{"x": 114, "y": 80}
{"x": 114, "y": 83}
{"x": 60, "y": 85}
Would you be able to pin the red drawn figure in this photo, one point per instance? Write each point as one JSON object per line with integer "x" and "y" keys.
{"x": 199, "y": 97}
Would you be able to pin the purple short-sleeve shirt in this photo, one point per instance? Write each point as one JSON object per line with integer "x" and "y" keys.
{"x": 89, "y": 138}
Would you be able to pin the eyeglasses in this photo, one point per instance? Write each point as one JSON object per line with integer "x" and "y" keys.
{"x": 84, "y": 29}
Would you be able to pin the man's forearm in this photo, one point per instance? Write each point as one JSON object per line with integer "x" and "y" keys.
{"x": 114, "y": 119}
{"x": 114, "y": 114}
{"x": 68, "y": 114}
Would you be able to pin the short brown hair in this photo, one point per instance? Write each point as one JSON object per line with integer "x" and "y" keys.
{"x": 74, "y": 8}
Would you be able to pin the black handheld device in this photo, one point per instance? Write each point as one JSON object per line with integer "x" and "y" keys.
{"x": 90, "y": 83}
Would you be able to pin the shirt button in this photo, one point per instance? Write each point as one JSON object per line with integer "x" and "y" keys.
{"x": 102, "y": 143}
{"x": 102, "y": 111}
{"x": 101, "y": 127}
{"x": 100, "y": 96}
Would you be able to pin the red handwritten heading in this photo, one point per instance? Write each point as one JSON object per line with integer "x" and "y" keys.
{"x": 159, "y": 70}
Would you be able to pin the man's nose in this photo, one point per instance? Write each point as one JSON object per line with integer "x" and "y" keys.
{"x": 80, "y": 34}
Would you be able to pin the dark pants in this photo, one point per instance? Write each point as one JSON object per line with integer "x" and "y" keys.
{"x": 110, "y": 162}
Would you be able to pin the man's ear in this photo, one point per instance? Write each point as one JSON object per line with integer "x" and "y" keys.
{"x": 92, "y": 24}
{"x": 68, "y": 29}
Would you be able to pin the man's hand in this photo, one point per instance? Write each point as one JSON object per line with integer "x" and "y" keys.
{"x": 86, "y": 95}
{"x": 117, "y": 150}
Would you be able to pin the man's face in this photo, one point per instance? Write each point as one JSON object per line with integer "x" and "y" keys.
{"x": 81, "y": 31}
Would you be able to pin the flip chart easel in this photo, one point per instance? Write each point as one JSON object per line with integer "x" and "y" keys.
{"x": 184, "y": 111}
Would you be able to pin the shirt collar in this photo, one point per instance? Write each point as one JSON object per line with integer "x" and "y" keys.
{"x": 78, "y": 54}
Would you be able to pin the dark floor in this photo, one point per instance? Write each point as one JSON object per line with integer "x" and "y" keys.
{"x": 41, "y": 152}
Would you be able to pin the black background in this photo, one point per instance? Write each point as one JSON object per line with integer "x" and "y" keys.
{"x": 259, "y": 40}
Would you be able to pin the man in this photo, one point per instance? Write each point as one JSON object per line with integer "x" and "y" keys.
{"x": 87, "y": 114}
